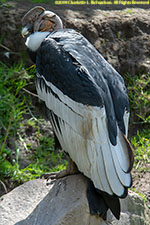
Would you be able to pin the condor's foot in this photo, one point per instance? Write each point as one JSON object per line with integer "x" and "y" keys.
{"x": 70, "y": 170}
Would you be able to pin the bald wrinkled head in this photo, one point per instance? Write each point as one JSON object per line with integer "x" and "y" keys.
{"x": 39, "y": 19}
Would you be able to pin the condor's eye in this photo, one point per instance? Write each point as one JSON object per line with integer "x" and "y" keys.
{"x": 51, "y": 18}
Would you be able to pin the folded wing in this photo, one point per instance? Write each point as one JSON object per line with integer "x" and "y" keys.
{"x": 83, "y": 102}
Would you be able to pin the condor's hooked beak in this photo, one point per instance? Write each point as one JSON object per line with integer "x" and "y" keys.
{"x": 28, "y": 29}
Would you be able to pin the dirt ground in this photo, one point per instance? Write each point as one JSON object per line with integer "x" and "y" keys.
{"x": 141, "y": 183}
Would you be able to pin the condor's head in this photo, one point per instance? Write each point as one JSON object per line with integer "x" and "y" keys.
{"x": 37, "y": 24}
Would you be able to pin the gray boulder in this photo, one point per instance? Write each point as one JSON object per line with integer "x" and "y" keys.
{"x": 63, "y": 202}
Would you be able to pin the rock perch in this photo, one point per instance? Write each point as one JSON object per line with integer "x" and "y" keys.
{"x": 63, "y": 202}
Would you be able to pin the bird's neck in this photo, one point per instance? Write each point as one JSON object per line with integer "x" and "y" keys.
{"x": 34, "y": 41}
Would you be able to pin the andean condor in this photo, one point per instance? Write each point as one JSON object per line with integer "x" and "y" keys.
{"x": 88, "y": 107}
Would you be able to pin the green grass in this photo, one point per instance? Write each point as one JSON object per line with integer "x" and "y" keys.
{"x": 4, "y": 2}
{"x": 15, "y": 106}
{"x": 141, "y": 144}
{"x": 138, "y": 88}
{"x": 143, "y": 196}
{"x": 43, "y": 1}
{"x": 12, "y": 101}
{"x": 12, "y": 107}
{"x": 139, "y": 96}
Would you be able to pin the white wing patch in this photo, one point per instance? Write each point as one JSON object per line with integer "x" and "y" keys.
{"x": 82, "y": 132}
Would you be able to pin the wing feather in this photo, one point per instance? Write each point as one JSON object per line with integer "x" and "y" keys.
{"x": 102, "y": 173}
{"x": 111, "y": 174}
{"x": 126, "y": 121}
{"x": 125, "y": 178}
{"x": 123, "y": 153}
{"x": 82, "y": 132}
{"x": 97, "y": 172}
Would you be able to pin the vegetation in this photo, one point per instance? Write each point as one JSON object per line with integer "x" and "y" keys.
{"x": 139, "y": 96}
{"x": 34, "y": 1}
{"x": 19, "y": 120}
{"x": 140, "y": 194}
{"x": 141, "y": 144}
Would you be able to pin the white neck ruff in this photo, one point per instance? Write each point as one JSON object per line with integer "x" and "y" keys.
{"x": 34, "y": 41}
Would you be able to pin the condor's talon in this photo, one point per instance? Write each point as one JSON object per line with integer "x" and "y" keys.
{"x": 54, "y": 175}
{"x": 70, "y": 170}
{"x": 47, "y": 176}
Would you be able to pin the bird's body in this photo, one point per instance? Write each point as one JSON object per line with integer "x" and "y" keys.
{"x": 88, "y": 106}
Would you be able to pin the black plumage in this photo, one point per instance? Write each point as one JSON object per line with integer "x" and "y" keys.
{"x": 64, "y": 59}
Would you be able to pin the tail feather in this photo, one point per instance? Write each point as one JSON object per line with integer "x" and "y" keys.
{"x": 113, "y": 204}
{"x": 97, "y": 204}
{"x": 100, "y": 202}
